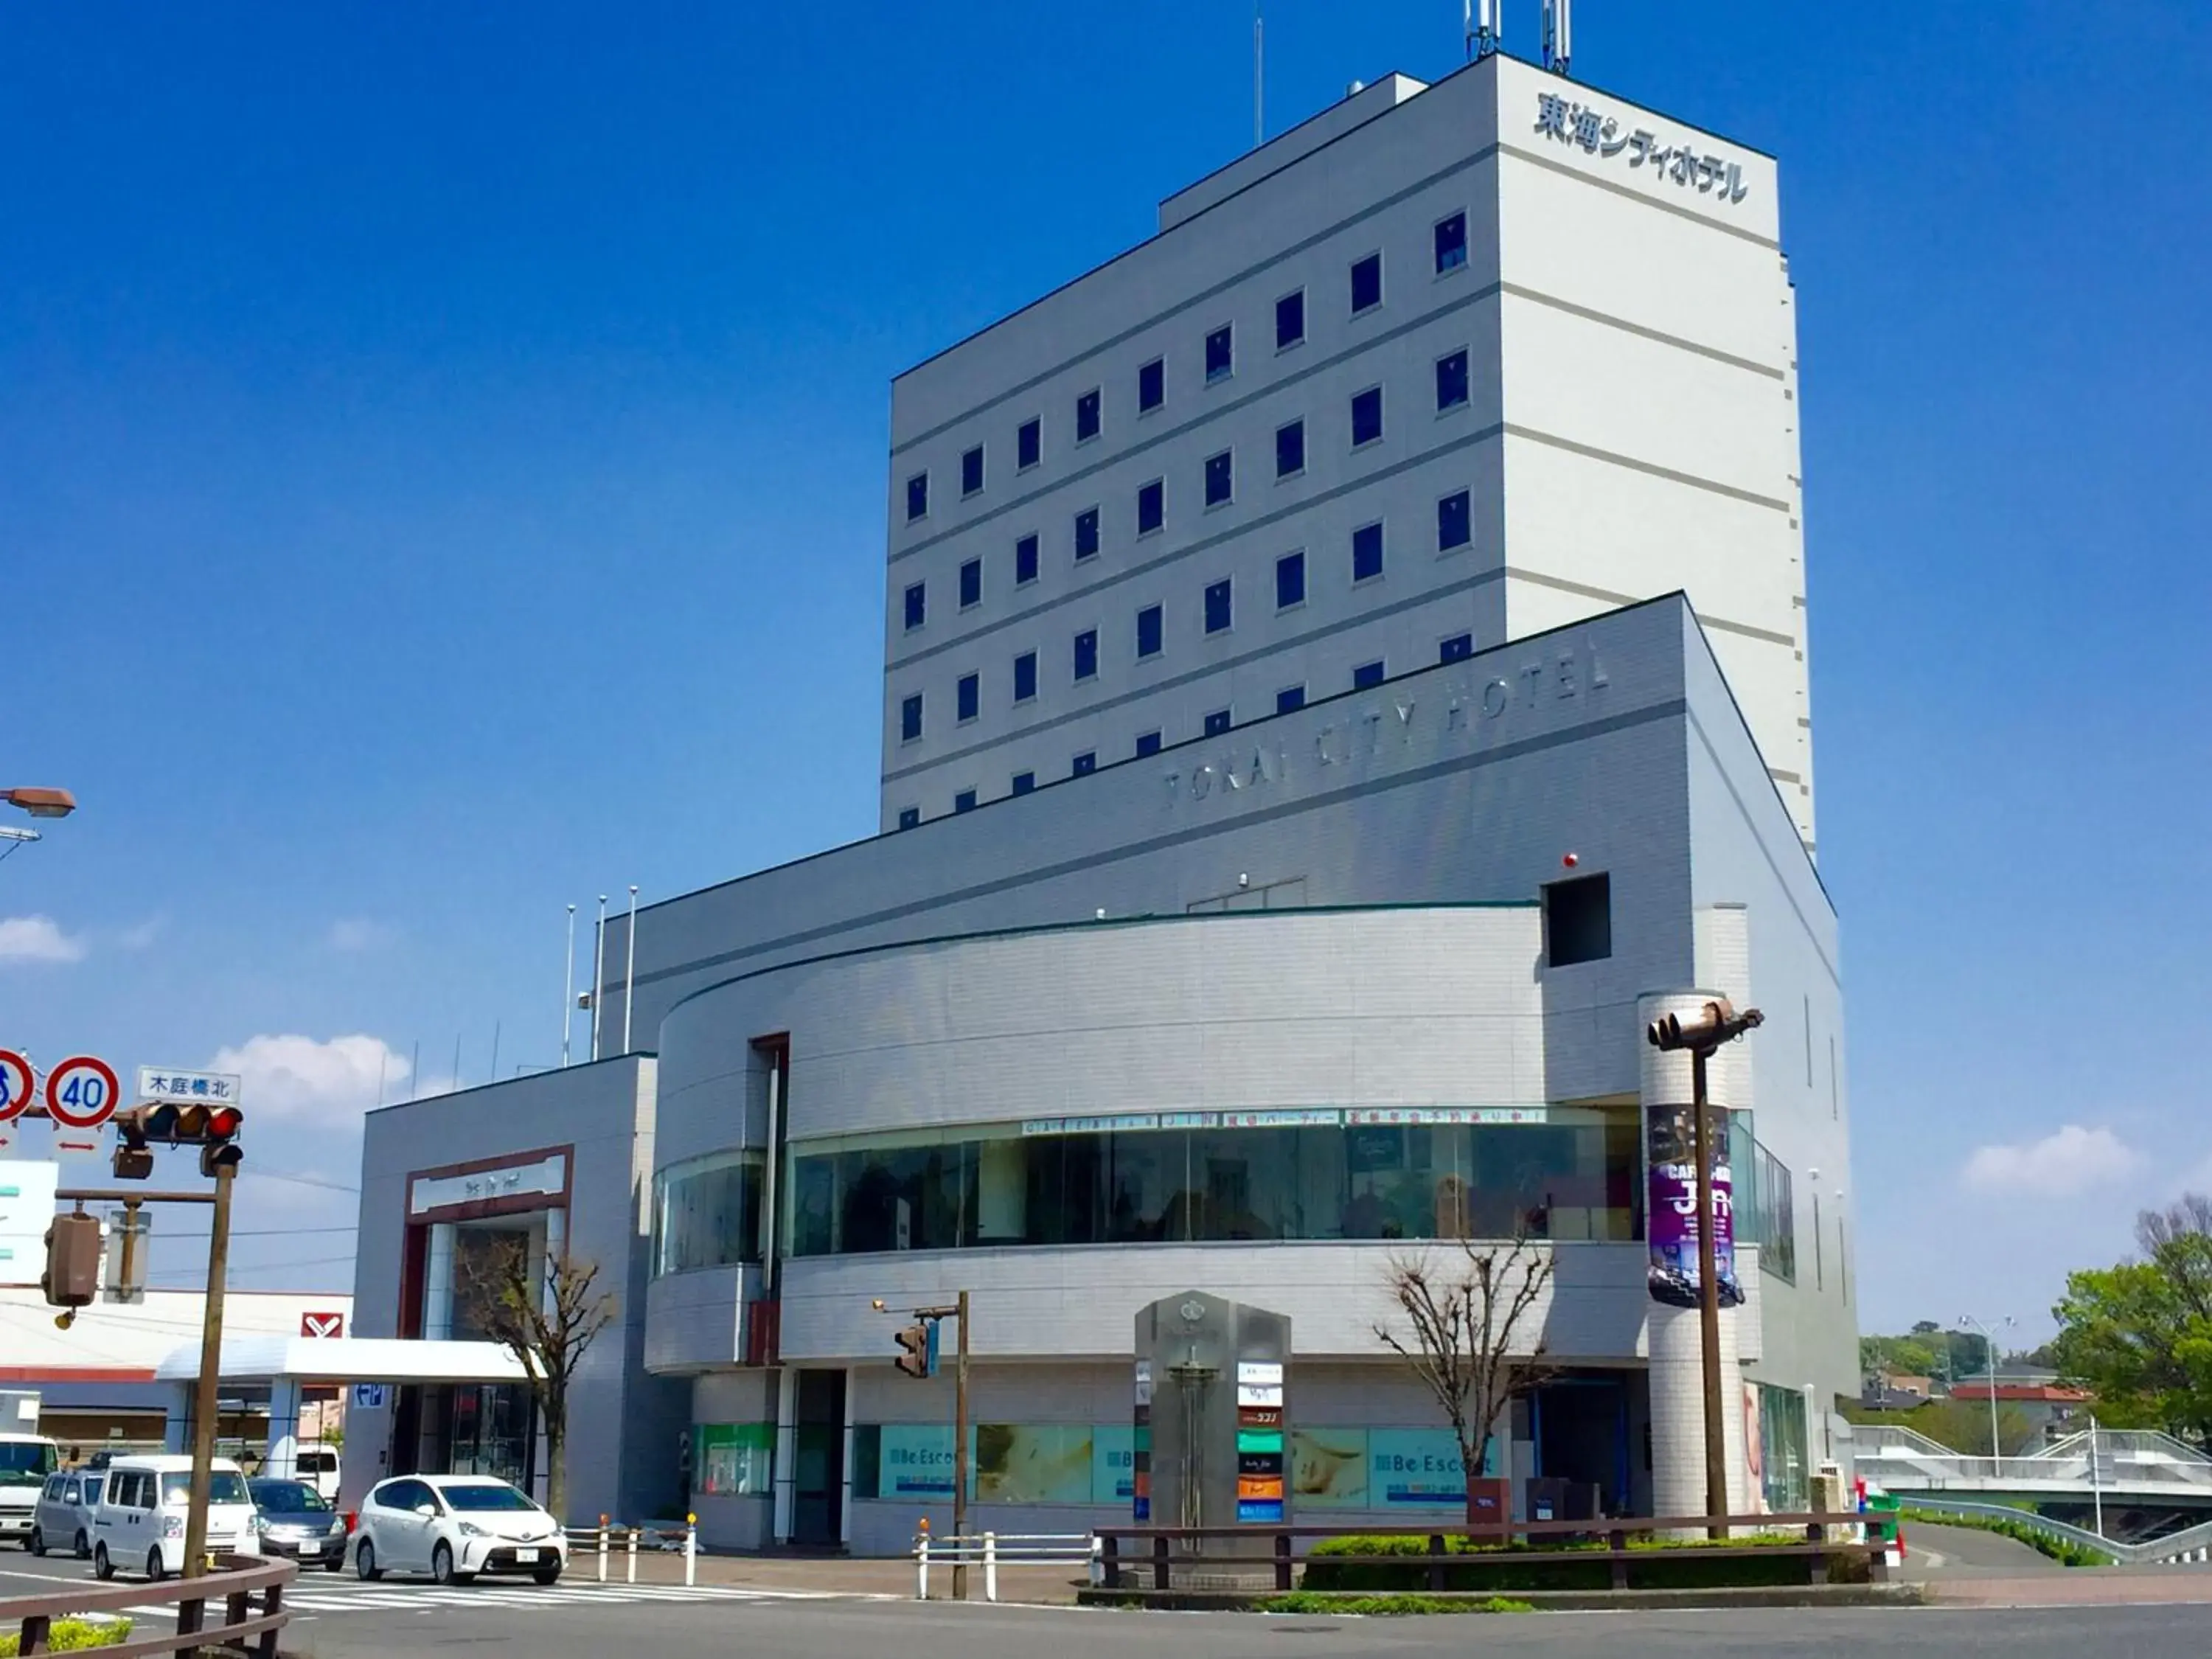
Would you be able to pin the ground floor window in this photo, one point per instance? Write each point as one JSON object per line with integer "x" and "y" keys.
{"x": 1776, "y": 1443}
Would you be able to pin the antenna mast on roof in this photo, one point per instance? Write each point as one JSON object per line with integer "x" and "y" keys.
{"x": 1484, "y": 22}
{"x": 1558, "y": 34}
{"x": 1259, "y": 77}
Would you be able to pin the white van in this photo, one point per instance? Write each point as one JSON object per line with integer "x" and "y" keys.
{"x": 317, "y": 1466}
{"x": 140, "y": 1523}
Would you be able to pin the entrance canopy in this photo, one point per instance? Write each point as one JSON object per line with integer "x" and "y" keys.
{"x": 347, "y": 1359}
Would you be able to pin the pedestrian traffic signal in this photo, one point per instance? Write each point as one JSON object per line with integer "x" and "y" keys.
{"x": 72, "y": 1276}
{"x": 913, "y": 1350}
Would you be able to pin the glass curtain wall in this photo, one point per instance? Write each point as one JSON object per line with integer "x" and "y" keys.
{"x": 706, "y": 1213}
{"x": 1558, "y": 1173}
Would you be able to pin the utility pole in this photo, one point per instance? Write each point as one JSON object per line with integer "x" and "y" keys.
{"x": 203, "y": 1393}
{"x": 960, "y": 1457}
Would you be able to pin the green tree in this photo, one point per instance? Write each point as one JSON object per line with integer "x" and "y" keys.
{"x": 2139, "y": 1335}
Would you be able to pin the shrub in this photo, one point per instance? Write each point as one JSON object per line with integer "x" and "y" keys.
{"x": 74, "y": 1636}
{"x": 1376, "y": 1606}
{"x": 1363, "y": 1563}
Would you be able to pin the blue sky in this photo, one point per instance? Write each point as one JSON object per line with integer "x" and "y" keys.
{"x": 441, "y": 479}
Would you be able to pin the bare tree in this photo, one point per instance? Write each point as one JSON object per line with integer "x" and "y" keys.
{"x": 1464, "y": 1314}
{"x": 548, "y": 1319}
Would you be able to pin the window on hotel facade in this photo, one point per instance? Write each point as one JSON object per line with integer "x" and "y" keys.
{"x": 1290, "y": 449}
{"x": 1367, "y": 552}
{"x": 1149, "y": 625}
{"x": 1152, "y": 507}
{"x": 1220, "y": 354}
{"x": 1025, "y": 677}
{"x": 1290, "y": 319}
{"x": 1451, "y": 381}
{"x": 1086, "y": 533}
{"x": 1087, "y": 416}
{"x": 1023, "y": 782}
{"x": 917, "y": 496}
{"x": 971, "y": 583}
{"x": 1220, "y": 612}
{"x": 1217, "y": 722}
{"x": 1455, "y": 522}
{"x": 1367, "y": 676}
{"x": 971, "y": 471}
{"x": 1290, "y": 580}
{"x": 1028, "y": 444}
{"x": 1086, "y": 654}
{"x": 1579, "y": 920}
{"x": 1025, "y": 560}
{"x": 911, "y": 719}
{"x": 1458, "y": 648}
{"x": 1290, "y": 699}
{"x": 917, "y": 604}
{"x": 1366, "y": 416}
{"x": 909, "y": 817}
{"x": 1148, "y": 743}
{"x": 1574, "y": 1174}
{"x": 1152, "y": 386}
{"x": 1084, "y": 763}
{"x": 1366, "y": 283}
{"x": 706, "y": 1213}
{"x": 1220, "y": 477}
{"x": 1451, "y": 243}
{"x": 964, "y": 801}
{"x": 968, "y": 697}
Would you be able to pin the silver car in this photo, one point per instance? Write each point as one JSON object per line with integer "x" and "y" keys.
{"x": 62, "y": 1519}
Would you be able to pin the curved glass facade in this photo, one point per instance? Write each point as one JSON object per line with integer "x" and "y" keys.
{"x": 1180, "y": 1177}
{"x": 706, "y": 1213}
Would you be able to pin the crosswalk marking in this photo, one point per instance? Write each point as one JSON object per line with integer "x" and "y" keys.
{"x": 509, "y": 1598}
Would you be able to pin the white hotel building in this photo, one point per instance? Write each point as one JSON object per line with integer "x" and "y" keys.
{"x": 1344, "y": 671}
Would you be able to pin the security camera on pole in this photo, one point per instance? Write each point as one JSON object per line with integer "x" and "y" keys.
{"x": 1700, "y": 1032}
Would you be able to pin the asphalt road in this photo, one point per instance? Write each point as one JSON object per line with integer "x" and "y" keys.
{"x": 343, "y": 1618}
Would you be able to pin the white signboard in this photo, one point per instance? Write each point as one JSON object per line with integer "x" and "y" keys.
{"x": 1259, "y": 1372}
{"x": 1258, "y": 1395}
{"x": 545, "y": 1178}
{"x": 27, "y": 1210}
{"x": 166, "y": 1083}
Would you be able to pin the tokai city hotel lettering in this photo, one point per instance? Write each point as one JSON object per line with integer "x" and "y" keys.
{"x": 1398, "y": 723}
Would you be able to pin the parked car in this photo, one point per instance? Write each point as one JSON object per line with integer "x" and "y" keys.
{"x": 319, "y": 1467}
{"x": 293, "y": 1519}
{"x": 454, "y": 1527}
{"x": 143, "y": 1510}
{"x": 63, "y": 1520}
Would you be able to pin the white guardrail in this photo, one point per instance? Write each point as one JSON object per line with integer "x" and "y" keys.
{"x": 989, "y": 1549}
{"x": 610, "y": 1539}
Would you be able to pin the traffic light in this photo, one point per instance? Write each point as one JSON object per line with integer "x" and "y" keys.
{"x": 212, "y": 1128}
{"x": 72, "y": 1276}
{"x": 914, "y": 1354}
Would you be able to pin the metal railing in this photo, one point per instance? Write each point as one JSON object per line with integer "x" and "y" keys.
{"x": 989, "y": 1550}
{"x": 609, "y": 1540}
{"x": 232, "y": 1587}
{"x": 2191, "y": 1545}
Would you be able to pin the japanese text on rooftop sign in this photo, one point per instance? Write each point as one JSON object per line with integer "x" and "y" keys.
{"x": 1598, "y": 134}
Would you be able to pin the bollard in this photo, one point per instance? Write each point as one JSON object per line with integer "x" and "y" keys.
{"x": 990, "y": 1566}
{"x": 603, "y": 1549}
{"x": 1097, "y": 1561}
{"x": 921, "y": 1562}
{"x": 690, "y": 1550}
{"x": 633, "y": 1555}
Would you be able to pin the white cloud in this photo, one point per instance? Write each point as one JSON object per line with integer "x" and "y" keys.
{"x": 37, "y": 939}
{"x": 2069, "y": 1161}
{"x": 143, "y": 936}
{"x": 357, "y": 933}
{"x": 290, "y": 1076}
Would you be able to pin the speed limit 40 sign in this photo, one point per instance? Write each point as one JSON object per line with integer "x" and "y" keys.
{"x": 81, "y": 1090}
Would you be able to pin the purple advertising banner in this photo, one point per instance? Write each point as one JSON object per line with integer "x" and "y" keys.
{"x": 1671, "y": 1209}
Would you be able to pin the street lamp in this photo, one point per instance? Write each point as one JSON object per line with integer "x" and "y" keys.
{"x": 41, "y": 802}
{"x": 1990, "y": 1349}
{"x": 1701, "y": 1032}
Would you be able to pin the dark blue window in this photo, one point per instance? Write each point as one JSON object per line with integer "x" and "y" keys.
{"x": 1366, "y": 283}
{"x": 1290, "y": 448}
{"x": 970, "y": 696}
{"x": 1152, "y": 507}
{"x": 1086, "y": 654}
{"x": 1217, "y": 722}
{"x": 1289, "y": 698}
{"x": 1085, "y": 762}
{"x": 1217, "y": 608}
{"x": 1290, "y": 580}
{"x": 911, "y": 719}
{"x": 909, "y": 816}
{"x": 917, "y": 604}
{"x": 1290, "y": 320}
{"x": 1366, "y": 415}
{"x": 1025, "y": 677}
{"x": 1148, "y": 743}
{"x": 971, "y": 471}
{"x": 1023, "y": 782}
{"x": 1152, "y": 386}
{"x": 1451, "y": 243}
{"x": 1148, "y": 631}
{"x": 1025, "y": 560}
{"x": 1457, "y": 648}
{"x": 1454, "y": 526}
{"x": 971, "y": 583}
{"x": 1086, "y": 416}
{"x": 1029, "y": 442}
{"x": 1451, "y": 381}
{"x": 1366, "y": 552}
{"x": 1220, "y": 477}
{"x": 917, "y": 496}
{"x": 1367, "y": 674}
{"x": 964, "y": 801}
{"x": 1086, "y": 533}
{"x": 1220, "y": 354}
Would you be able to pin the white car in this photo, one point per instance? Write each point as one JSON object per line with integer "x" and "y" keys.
{"x": 65, "y": 1516}
{"x": 145, "y": 1509}
{"x": 454, "y": 1527}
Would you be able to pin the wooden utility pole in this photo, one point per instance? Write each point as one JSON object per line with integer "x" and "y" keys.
{"x": 203, "y": 1394}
